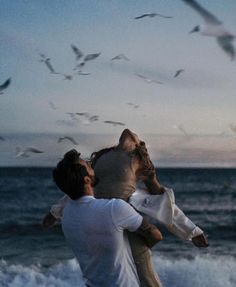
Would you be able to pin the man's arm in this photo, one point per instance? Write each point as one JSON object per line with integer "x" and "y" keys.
{"x": 125, "y": 217}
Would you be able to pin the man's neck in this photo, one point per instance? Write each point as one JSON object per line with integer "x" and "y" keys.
{"x": 88, "y": 190}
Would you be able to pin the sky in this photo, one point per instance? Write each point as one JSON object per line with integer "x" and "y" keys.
{"x": 201, "y": 100}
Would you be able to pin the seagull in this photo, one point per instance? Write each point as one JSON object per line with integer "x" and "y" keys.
{"x": 88, "y": 118}
{"x": 5, "y": 85}
{"x": 71, "y": 139}
{"x": 77, "y": 52}
{"x": 73, "y": 116}
{"x": 52, "y": 105}
{"x": 67, "y": 77}
{"x": 133, "y": 105}
{"x": 181, "y": 129}
{"x": 178, "y": 72}
{"x": 82, "y": 114}
{"x": 213, "y": 27}
{"x": 152, "y": 15}
{"x": 120, "y": 57}
{"x": 114, "y": 123}
{"x": 93, "y": 118}
{"x": 148, "y": 80}
{"x": 25, "y": 152}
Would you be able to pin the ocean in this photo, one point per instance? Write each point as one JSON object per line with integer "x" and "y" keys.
{"x": 32, "y": 256}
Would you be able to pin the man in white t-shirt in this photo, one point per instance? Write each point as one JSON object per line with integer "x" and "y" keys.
{"x": 94, "y": 228}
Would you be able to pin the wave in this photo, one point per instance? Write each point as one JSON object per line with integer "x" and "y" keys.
{"x": 201, "y": 271}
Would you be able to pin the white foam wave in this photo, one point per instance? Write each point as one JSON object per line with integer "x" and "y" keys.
{"x": 199, "y": 272}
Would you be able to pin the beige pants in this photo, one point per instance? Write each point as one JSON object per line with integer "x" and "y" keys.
{"x": 143, "y": 261}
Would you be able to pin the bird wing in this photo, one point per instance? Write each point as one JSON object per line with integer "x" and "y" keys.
{"x": 178, "y": 72}
{"x": 5, "y": 84}
{"x": 226, "y": 43}
{"x": 141, "y": 76}
{"x": 20, "y": 152}
{"x": 72, "y": 140}
{"x": 163, "y": 16}
{"x": 90, "y": 57}
{"x": 93, "y": 118}
{"x": 155, "y": 81}
{"x": 77, "y": 52}
{"x": 52, "y": 105}
{"x": 207, "y": 16}
{"x": 141, "y": 16}
{"x": 50, "y": 67}
{"x": 120, "y": 123}
{"x": 33, "y": 149}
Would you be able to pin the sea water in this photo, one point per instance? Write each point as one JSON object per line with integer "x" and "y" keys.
{"x": 31, "y": 256}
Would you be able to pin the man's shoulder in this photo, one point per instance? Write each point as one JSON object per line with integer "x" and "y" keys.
{"x": 110, "y": 201}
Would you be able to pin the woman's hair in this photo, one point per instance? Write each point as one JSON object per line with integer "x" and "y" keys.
{"x": 69, "y": 175}
{"x": 97, "y": 154}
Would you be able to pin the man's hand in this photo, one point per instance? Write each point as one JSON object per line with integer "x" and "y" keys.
{"x": 200, "y": 241}
{"x": 49, "y": 220}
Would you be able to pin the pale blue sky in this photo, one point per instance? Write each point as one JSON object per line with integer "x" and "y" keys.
{"x": 202, "y": 99}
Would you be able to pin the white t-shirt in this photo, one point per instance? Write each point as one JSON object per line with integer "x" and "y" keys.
{"x": 95, "y": 230}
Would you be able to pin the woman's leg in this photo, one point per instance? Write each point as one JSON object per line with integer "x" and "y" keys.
{"x": 143, "y": 261}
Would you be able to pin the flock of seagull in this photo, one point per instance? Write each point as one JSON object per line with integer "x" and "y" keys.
{"x": 212, "y": 27}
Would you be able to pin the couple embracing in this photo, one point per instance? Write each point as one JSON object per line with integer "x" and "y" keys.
{"x": 109, "y": 237}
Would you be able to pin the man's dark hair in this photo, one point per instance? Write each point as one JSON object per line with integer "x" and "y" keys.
{"x": 69, "y": 175}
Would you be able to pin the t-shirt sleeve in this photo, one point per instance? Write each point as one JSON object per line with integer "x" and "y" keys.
{"x": 124, "y": 216}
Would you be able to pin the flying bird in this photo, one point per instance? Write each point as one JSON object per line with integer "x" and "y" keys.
{"x": 52, "y": 105}
{"x": 181, "y": 129}
{"x": 82, "y": 114}
{"x": 67, "y": 77}
{"x": 213, "y": 27}
{"x": 178, "y": 72}
{"x": 114, "y": 123}
{"x": 71, "y": 139}
{"x": 134, "y": 106}
{"x": 93, "y": 118}
{"x": 152, "y": 15}
{"x": 77, "y": 52}
{"x": 73, "y": 116}
{"x": 148, "y": 80}
{"x": 87, "y": 118}
{"x": 27, "y": 151}
{"x": 120, "y": 57}
{"x": 5, "y": 85}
